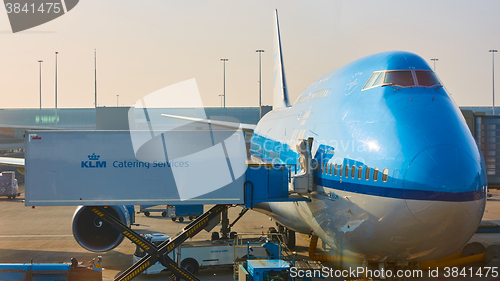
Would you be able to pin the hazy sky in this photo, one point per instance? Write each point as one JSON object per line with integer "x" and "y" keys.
{"x": 143, "y": 46}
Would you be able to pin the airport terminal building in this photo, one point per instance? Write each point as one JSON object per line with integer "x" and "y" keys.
{"x": 484, "y": 126}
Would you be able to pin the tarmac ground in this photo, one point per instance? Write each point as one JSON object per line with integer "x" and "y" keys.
{"x": 44, "y": 235}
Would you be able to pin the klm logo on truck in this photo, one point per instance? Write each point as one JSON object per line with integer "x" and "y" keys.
{"x": 93, "y": 162}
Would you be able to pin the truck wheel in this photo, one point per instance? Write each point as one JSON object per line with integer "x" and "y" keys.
{"x": 164, "y": 214}
{"x": 246, "y": 257}
{"x": 190, "y": 265}
{"x": 191, "y": 218}
{"x": 147, "y": 214}
{"x": 290, "y": 239}
{"x": 8, "y": 197}
{"x": 181, "y": 219}
{"x": 281, "y": 229}
{"x": 174, "y": 218}
{"x": 215, "y": 236}
{"x": 271, "y": 233}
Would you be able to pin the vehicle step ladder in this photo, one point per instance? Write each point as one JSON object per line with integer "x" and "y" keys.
{"x": 160, "y": 253}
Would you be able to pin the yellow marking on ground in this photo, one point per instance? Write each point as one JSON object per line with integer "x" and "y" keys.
{"x": 305, "y": 237}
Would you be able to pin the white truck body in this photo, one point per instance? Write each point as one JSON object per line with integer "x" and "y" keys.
{"x": 65, "y": 168}
{"x": 205, "y": 253}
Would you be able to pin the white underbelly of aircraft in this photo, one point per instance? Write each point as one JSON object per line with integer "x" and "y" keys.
{"x": 385, "y": 229}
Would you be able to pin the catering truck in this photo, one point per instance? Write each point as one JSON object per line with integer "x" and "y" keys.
{"x": 195, "y": 255}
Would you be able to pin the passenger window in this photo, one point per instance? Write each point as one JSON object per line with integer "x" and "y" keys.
{"x": 379, "y": 80}
{"x": 402, "y": 78}
{"x": 341, "y": 170}
{"x": 360, "y": 172}
{"x": 367, "y": 173}
{"x": 426, "y": 78}
{"x": 331, "y": 166}
{"x": 385, "y": 175}
{"x": 372, "y": 78}
{"x": 346, "y": 171}
{"x": 375, "y": 174}
{"x": 326, "y": 168}
{"x": 336, "y": 169}
{"x": 353, "y": 171}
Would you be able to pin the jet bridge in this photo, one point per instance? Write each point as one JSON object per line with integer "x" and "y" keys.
{"x": 103, "y": 168}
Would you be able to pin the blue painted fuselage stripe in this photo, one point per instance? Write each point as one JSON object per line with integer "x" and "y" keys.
{"x": 364, "y": 188}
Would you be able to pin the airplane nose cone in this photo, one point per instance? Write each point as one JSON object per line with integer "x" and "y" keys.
{"x": 443, "y": 173}
{"x": 444, "y": 189}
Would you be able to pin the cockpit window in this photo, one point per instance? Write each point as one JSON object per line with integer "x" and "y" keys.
{"x": 402, "y": 78}
{"x": 379, "y": 80}
{"x": 372, "y": 78}
{"x": 426, "y": 78}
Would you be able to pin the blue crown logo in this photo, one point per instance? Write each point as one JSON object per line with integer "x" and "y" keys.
{"x": 94, "y": 157}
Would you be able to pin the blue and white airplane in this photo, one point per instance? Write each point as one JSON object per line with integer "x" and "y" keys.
{"x": 400, "y": 176}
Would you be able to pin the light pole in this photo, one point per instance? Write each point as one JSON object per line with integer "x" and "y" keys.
{"x": 224, "y": 60}
{"x": 117, "y": 96}
{"x": 56, "y": 88}
{"x": 260, "y": 81}
{"x": 493, "y": 60}
{"x": 95, "y": 78}
{"x": 40, "y": 63}
{"x": 221, "y": 100}
{"x": 434, "y": 60}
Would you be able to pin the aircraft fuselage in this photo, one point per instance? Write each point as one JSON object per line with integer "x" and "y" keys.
{"x": 429, "y": 192}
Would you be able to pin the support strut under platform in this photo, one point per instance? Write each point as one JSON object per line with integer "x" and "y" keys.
{"x": 160, "y": 253}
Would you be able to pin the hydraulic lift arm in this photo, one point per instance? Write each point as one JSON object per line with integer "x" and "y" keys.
{"x": 160, "y": 253}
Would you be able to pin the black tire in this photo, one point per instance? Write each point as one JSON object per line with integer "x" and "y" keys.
{"x": 174, "y": 218}
{"x": 191, "y": 218}
{"x": 164, "y": 214}
{"x": 181, "y": 219}
{"x": 281, "y": 229}
{"x": 474, "y": 248}
{"x": 147, "y": 214}
{"x": 246, "y": 257}
{"x": 14, "y": 197}
{"x": 8, "y": 197}
{"x": 190, "y": 265}
{"x": 232, "y": 235}
{"x": 492, "y": 252}
{"x": 290, "y": 239}
{"x": 215, "y": 236}
{"x": 272, "y": 230}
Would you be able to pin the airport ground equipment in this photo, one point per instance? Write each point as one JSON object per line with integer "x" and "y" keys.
{"x": 488, "y": 227}
{"x": 278, "y": 260}
{"x": 52, "y": 271}
{"x": 262, "y": 177}
{"x": 179, "y": 212}
{"x": 8, "y": 185}
{"x": 195, "y": 255}
{"x": 277, "y": 269}
{"x": 99, "y": 169}
{"x": 160, "y": 252}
